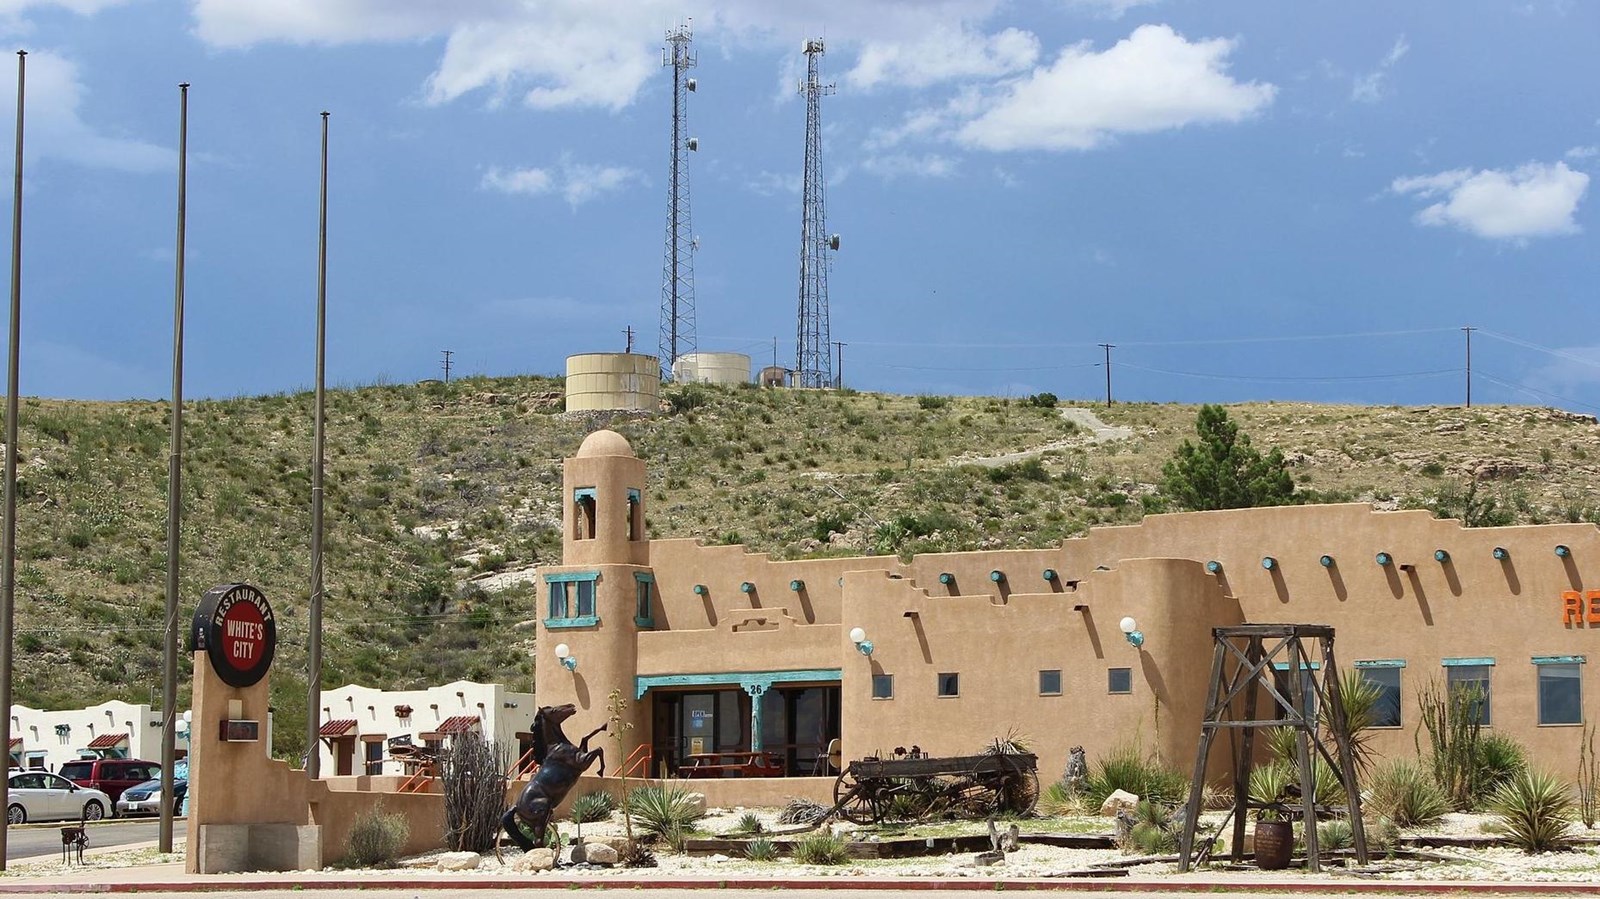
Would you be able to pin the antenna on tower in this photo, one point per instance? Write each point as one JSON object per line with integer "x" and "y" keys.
{"x": 677, "y": 275}
{"x": 813, "y": 354}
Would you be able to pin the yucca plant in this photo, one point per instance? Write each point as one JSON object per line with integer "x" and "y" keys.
{"x": 663, "y": 811}
{"x": 821, "y": 848}
{"x": 1268, "y": 785}
{"x": 1060, "y": 799}
{"x": 749, "y": 822}
{"x": 1360, "y": 699}
{"x": 1534, "y": 809}
{"x": 761, "y": 849}
{"x": 1497, "y": 759}
{"x": 1405, "y": 793}
{"x": 592, "y": 807}
{"x": 1126, "y": 768}
{"x": 1336, "y": 835}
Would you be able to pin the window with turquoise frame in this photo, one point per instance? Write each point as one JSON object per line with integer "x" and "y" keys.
{"x": 572, "y": 599}
{"x": 1560, "y": 689}
{"x": 644, "y": 602}
{"x": 635, "y": 524}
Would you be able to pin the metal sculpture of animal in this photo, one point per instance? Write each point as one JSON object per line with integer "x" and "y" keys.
{"x": 560, "y": 763}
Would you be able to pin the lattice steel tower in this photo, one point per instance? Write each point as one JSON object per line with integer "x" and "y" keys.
{"x": 813, "y": 356}
{"x": 677, "y": 274}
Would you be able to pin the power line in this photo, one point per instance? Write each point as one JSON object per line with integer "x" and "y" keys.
{"x": 1560, "y": 354}
{"x": 1218, "y": 341}
{"x": 1514, "y": 385}
{"x": 1394, "y": 376}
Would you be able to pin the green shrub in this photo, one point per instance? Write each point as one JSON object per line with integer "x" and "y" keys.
{"x": 1126, "y": 768}
{"x": 1268, "y": 785}
{"x": 760, "y": 849}
{"x": 1045, "y": 400}
{"x": 1152, "y": 840}
{"x": 1334, "y": 836}
{"x": 821, "y": 849}
{"x": 749, "y": 822}
{"x": 664, "y": 811}
{"x": 1405, "y": 793}
{"x": 927, "y": 401}
{"x": 1535, "y": 808}
{"x": 592, "y": 807}
{"x": 1060, "y": 799}
{"x": 1497, "y": 759}
{"x": 376, "y": 838}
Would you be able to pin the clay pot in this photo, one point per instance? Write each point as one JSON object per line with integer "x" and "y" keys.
{"x": 1274, "y": 844}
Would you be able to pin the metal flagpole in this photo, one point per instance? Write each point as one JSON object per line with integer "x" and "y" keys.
{"x": 169, "y": 687}
{"x": 8, "y": 552}
{"x": 314, "y": 638}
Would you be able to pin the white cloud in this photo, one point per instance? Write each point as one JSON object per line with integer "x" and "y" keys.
{"x": 769, "y": 183}
{"x": 1153, "y": 80}
{"x": 1111, "y": 9}
{"x": 1533, "y": 200}
{"x": 55, "y": 130}
{"x": 896, "y": 165}
{"x": 577, "y": 183}
{"x": 944, "y": 54}
{"x": 1577, "y": 154}
{"x": 1369, "y": 88}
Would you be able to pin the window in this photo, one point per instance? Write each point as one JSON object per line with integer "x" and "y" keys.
{"x": 635, "y": 525}
{"x": 583, "y": 517}
{"x": 1308, "y": 690}
{"x": 949, "y": 684}
{"x": 1119, "y": 680}
{"x": 1471, "y": 674}
{"x": 643, "y": 610}
{"x": 585, "y": 598}
{"x": 1050, "y": 682}
{"x": 1560, "y": 689}
{"x": 572, "y": 599}
{"x": 375, "y": 756}
{"x": 883, "y": 686}
{"x": 1385, "y": 675}
{"x": 558, "y": 599}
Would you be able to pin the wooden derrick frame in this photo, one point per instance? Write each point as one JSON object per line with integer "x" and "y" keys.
{"x": 1241, "y": 667}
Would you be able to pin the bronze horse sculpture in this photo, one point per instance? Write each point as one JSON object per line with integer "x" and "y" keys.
{"x": 560, "y": 763}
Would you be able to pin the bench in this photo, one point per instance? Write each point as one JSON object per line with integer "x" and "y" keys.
{"x": 732, "y": 764}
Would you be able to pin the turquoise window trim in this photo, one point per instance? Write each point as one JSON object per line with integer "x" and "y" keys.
{"x": 647, "y": 621}
{"x": 556, "y": 624}
{"x": 1380, "y": 663}
{"x": 571, "y": 576}
{"x": 1304, "y": 666}
{"x": 1560, "y": 660}
{"x": 583, "y": 493}
{"x": 1461, "y": 663}
{"x": 753, "y": 682}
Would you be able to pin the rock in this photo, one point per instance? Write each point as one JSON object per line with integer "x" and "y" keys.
{"x": 599, "y": 854}
{"x": 458, "y": 861}
{"x": 698, "y": 800}
{"x": 535, "y": 860}
{"x": 1119, "y": 800}
{"x": 618, "y": 843}
{"x": 718, "y": 857}
{"x": 985, "y": 859}
{"x": 421, "y": 861}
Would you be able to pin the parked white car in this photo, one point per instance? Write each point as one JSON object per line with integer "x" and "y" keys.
{"x": 42, "y": 796}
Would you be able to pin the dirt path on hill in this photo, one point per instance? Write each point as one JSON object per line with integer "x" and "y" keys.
{"x": 1083, "y": 418}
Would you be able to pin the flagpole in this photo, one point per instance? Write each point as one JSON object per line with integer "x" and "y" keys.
{"x": 314, "y": 639}
{"x": 8, "y": 543}
{"x": 169, "y": 688}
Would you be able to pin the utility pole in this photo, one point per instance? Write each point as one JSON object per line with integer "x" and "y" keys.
{"x": 838, "y": 371}
{"x": 629, "y": 331}
{"x": 446, "y": 364}
{"x": 8, "y": 555}
{"x": 1108, "y": 347}
{"x": 314, "y": 608}
{"x": 1468, "y": 331}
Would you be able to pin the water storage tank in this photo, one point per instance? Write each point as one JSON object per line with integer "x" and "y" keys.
{"x": 712, "y": 368}
{"x": 599, "y": 381}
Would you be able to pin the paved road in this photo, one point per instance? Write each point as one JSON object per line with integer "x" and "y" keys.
{"x": 842, "y": 893}
{"x": 32, "y": 840}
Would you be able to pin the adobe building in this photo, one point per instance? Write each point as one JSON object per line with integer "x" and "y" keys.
{"x": 361, "y": 726}
{"x": 722, "y": 651}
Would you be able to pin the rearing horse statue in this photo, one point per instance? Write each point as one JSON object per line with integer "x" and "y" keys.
{"x": 560, "y": 763}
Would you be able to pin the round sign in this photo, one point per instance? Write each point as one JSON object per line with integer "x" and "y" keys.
{"x": 235, "y": 628}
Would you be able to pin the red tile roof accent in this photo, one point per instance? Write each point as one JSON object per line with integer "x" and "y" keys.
{"x": 16, "y": 741}
{"x": 460, "y": 724}
{"x": 338, "y": 727}
{"x": 108, "y": 741}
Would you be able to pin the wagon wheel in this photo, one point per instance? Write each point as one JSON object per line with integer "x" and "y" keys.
{"x": 1020, "y": 793}
{"x": 856, "y": 800}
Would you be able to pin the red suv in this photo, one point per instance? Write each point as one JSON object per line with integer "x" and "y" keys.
{"x": 110, "y": 776}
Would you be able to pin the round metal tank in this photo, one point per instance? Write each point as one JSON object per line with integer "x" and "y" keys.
{"x": 600, "y": 381}
{"x": 712, "y": 368}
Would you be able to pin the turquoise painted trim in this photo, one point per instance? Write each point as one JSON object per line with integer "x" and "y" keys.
{"x": 1458, "y": 663}
{"x": 569, "y": 576}
{"x": 997, "y": 575}
{"x": 1213, "y": 566}
{"x": 557, "y": 624}
{"x": 1385, "y": 559}
{"x": 1269, "y": 562}
{"x": 747, "y": 587}
{"x": 1441, "y": 555}
{"x": 634, "y": 495}
{"x": 1502, "y": 553}
{"x": 1562, "y": 550}
{"x": 1049, "y": 574}
{"x": 758, "y": 681}
{"x": 1559, "y": 660}
{"x": 644, "y": 576}
{"x": 1380, "y": 663}
{"x": 583, "y": 493}
{"x": 797, "y": 585}
{"x": 649, "y": 621}
{"x": 1327, "y": 561}
{"x": 1284, "y": 666}
{"x": 699, "y": 589}
{"x": 946, "y": 577}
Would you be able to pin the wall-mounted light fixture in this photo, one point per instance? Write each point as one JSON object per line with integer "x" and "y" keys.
{"x": 1501, "y": 553}
{"x": 1441, "y": 555}
{"x": 1269, "y": 562}
{"x": 859, "y": 638}
{"x": 1050, "y": 574}
{"x": 565, "y": 657}
{"x": 997, "y": 575}
{"x": 1213, "y": 566}
{"x": 1327, "y": 561}
{"x": 1562, "y": 550}
{"x": 1385, "y": 559}
{"x": 797, "y": 585}
{"x": 1130, "y": 629}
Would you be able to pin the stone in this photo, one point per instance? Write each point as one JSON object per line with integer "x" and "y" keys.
{"x": 1118, "y": 801}
{"x": 458, "y": 861}
{"x": 535, "y": 860}
{"x": 985, "y": 859}
{"x": 599, "y": 854}
{"x": 619, "y": 843}
{"x": 698, "y": 800}
{"x": 420, "y": 861}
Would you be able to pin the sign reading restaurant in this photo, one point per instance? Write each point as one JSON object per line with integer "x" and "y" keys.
{"x": 235, "y": 628}
{"x": 1581, "y": 609}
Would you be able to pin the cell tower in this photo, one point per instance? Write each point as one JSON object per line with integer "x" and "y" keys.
{"x": 677, "y": 275}
{"x": 813, "y": 357}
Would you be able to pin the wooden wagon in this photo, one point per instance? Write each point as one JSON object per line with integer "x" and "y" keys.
{"x": 870, "y": 791}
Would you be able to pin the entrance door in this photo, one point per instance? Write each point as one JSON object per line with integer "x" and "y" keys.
{"x": 697, "y": 724}
{"x": 799, "y": 722}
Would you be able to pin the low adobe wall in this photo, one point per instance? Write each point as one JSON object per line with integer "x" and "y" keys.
{"x": 720, "y": 792}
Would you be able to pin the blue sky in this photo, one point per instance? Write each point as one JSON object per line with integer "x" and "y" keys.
{"x": 1251, "y": 200}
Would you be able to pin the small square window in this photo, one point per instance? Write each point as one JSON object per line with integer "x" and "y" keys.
{"x": 1560, "y": 694}
{"x": 1050, "y": 682}
{"x": 1386, "y": 711}
{"x": 949, "y": 684}
{"x": 1475, "y": 678}
{"x": 883, "y": 686}
{"x": 1119, "y": 680}
{"x": 558, "y": 599}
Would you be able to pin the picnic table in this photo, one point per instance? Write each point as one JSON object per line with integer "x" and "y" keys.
{"x": 731, "y": 764}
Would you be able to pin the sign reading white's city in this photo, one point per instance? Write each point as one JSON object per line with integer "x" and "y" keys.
{"x": 234, "y": 627}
